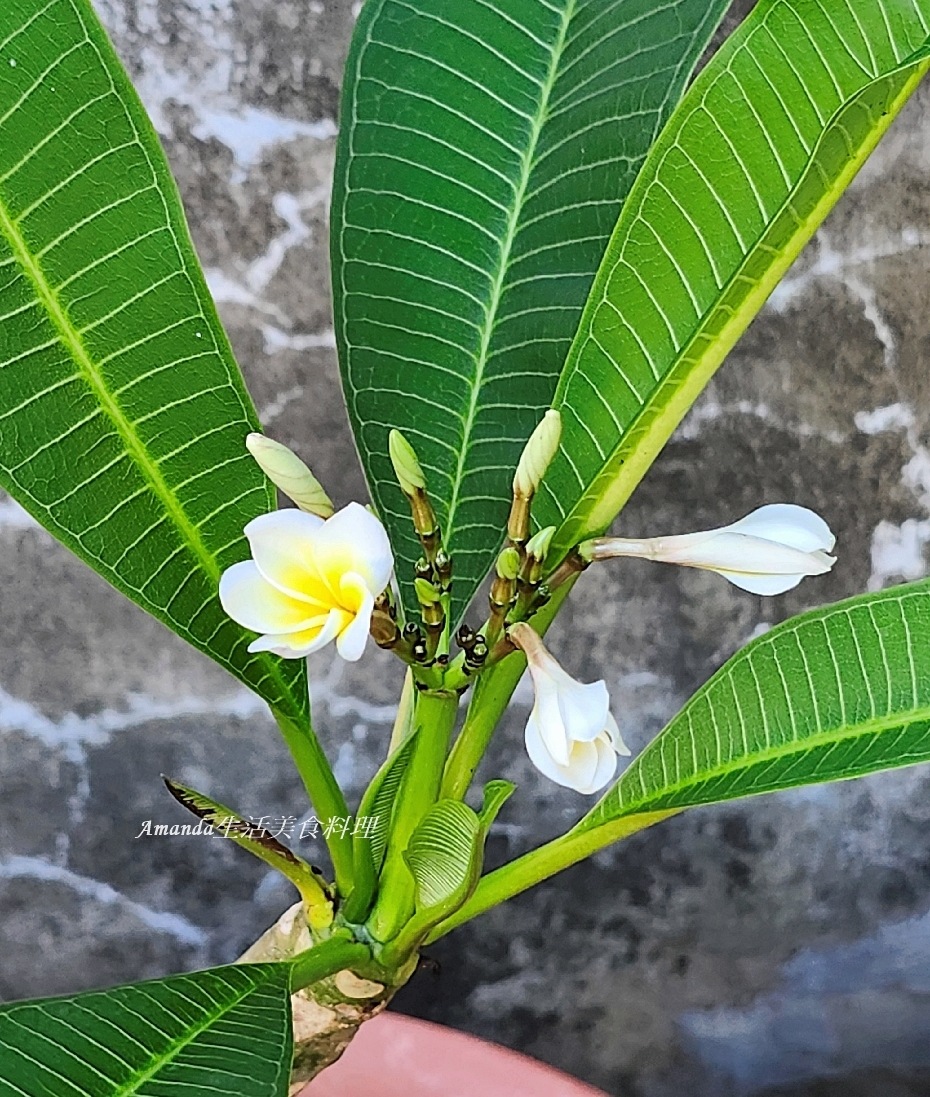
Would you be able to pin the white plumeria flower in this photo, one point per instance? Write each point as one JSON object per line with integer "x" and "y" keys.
{"x": 571, "y": 736}
{"x": 309, "y": 581}
{"x": 767, "y": 552}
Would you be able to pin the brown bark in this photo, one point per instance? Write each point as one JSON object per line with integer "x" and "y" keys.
{"x": 326, "y": 1015}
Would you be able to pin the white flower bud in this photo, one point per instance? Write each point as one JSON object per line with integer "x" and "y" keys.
{"x": 537, "y": 455}
{"x": 286, "y": 471}
{"x": 768, "y": 552}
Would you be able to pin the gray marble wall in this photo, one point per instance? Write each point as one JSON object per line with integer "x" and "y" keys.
{"x": 774, "y": 947}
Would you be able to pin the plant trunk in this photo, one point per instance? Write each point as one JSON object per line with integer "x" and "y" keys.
{"x": 327, "y": 1014}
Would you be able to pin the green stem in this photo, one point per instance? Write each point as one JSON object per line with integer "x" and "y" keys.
{"x": 434, "y": 714}
{"x": 324, "y": 792}
{"x": 326, "y": 959}
{"x": 539, "y": 864}
{"x": 492, "y": 694}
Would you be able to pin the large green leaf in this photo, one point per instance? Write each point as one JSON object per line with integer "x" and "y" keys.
{"x": 832, "y": 694}
{"x": 485, "y": 149}
{"x": 122, "y": 412}
{"x": 758, "y": 151}
{"x": 835, "y": 693}
{"x": 224, "y": 1032}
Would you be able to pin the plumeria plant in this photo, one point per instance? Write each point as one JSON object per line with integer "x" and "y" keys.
{"x": 547, "y": 233}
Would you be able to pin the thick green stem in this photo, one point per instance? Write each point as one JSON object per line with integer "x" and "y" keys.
{"x": 325, "y": 959}
{"x": 493, "y": 691}
{"x": 539, "y": 864}
{"x": 324, "y": 792}
{"x": 435, "y": 717}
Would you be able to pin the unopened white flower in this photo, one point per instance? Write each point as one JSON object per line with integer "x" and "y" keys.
{"x": 289, "y": 474}
{"x": 309, "y": 581}
{"x": 767, "y": 552}
{"x": 571, "y": 736}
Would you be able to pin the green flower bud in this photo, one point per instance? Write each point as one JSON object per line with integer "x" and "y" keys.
{"x": 508, "y": 564}
{"x": 406, "y": 464}
{"x": 538, "y": 544}
{"x": 427, "y": 594}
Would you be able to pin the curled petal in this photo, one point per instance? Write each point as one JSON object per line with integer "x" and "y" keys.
{"x": 353, "y": 638}
{"x": 547, "y": 718}
{"x": 606, "y": 765}
{"x": 589, "y": 768}
{"x": 298, "y": 645}
{"x": 353, "y": 540}
{"x": 614, "y": 738}
{"x": 248, "y": 597}
{"x": 738, "y": 552}
{"x": 787, "y": 524}
{"x": 762, "y": 584}
{"x": 585, "y": 708}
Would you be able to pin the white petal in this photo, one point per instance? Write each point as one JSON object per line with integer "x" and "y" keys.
{"x": 762, "y": 584}
{"x": 614, "y": 737}
{"x": 584, "y": 709}
{"x": 788, "y": 524}
{"x": 282, "y": 548}
{"x": 254, "y": 603}
{"x": 547, "y": 714}
{"x": 582, "y": 768}
{"x": 605, "y": 767}
{"x": 297, "y": 645}
{"x": 539, "y": 756}
{"x": 737, "y": 552}
{"x": 354, "y": 540}
{"x": 353, "y": 638}
{"x": 564, "y": 775}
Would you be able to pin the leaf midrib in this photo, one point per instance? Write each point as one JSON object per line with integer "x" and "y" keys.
{"x": 71, "y": 339}
{"x": 497, "y": 289}
{"x": 876, "y": 725}
{"x": 176, "y": 1046}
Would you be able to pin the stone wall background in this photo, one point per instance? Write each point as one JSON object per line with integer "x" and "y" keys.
{"x": 778, "y": 947}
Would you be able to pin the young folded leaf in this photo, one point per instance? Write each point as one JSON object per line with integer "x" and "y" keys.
{"x": 308, "y": 880}
{"x": 444, "y": 855}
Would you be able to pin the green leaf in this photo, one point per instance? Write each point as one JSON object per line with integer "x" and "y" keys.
{"x": 262, "y": 844}
{"x": 224, "y": 1032}
{"x": 444, "y": 855}
{"x": 379, "y": 799}
{"x": 759, "y": 150}
{"x": 124, "y": 415}
{"x": 831, "y": 694}
{"x": 485, "y": 149}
